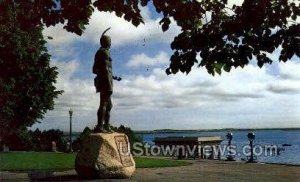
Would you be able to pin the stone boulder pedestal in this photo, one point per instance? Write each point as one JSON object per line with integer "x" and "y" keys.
{"x": 105, "y": 155}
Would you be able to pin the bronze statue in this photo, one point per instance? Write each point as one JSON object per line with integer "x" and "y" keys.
{"x": 104, "y": 82}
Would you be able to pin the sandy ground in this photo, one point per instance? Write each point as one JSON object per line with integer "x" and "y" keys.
{"x": 200, "y": 170}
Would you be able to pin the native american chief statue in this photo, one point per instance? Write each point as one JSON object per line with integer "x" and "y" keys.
{"x": 104, "y": 82}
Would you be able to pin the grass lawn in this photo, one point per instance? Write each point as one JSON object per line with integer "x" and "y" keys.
{"x": 20, "y": 161}
{"x": 36, "y": 161}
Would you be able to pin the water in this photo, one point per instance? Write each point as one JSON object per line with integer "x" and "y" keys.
{"x": 290, "y": 154}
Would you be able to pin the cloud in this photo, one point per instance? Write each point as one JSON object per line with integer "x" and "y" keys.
{"x": 234, "y": 2}
{"x": 198, "y": 88}
{"x": 79, "y": 94}
{"x": 284, "y": 88}
{"x": 243, "y": 95}
{"x": 290, "y": 70}
{"x": 142, "y": 60}
{"x": 122, "y": 32}
{"x": 60, "y": 36}
{"x": 287, "y": 80}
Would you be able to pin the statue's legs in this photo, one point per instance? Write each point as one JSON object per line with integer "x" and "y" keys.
{"x": 107, "y": 114}
{"x": 101, "y": 111}
{"x": 104, "y": 111}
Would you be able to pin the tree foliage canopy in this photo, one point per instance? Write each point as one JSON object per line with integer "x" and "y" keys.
{"x": 233, "y": 36}
{"x": 222, "y": 36}
{"x": 27, "y": 80}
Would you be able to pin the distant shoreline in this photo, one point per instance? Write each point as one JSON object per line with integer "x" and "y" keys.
{"x": 209, "y": 130}
{"x": 66, "y": 133}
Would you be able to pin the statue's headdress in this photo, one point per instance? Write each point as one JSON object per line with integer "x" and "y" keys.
{"x": 105, "y": 39}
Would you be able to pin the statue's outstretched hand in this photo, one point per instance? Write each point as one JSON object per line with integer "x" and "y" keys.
{"x": 117, "y": 78}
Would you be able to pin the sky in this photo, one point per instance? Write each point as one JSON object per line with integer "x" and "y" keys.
{"x": 148, "y": 99}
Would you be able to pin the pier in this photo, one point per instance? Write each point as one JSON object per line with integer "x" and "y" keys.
{"x": 192, "y": 147}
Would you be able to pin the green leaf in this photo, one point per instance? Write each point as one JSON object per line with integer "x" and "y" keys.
{"x": 218, "y": 68}
{"x": 227, "y": 68}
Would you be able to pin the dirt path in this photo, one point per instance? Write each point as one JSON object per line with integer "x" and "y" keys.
{"x": 200, "y": 170}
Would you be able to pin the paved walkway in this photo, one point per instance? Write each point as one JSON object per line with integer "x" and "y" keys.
{"x": 200, "y": 170}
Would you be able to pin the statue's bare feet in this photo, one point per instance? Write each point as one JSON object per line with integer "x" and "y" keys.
{"x": 99, "y": 129}
{"x": 107, "y": 128}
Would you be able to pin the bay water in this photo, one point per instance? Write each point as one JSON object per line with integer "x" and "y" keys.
{"x": 287, "y": 141}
